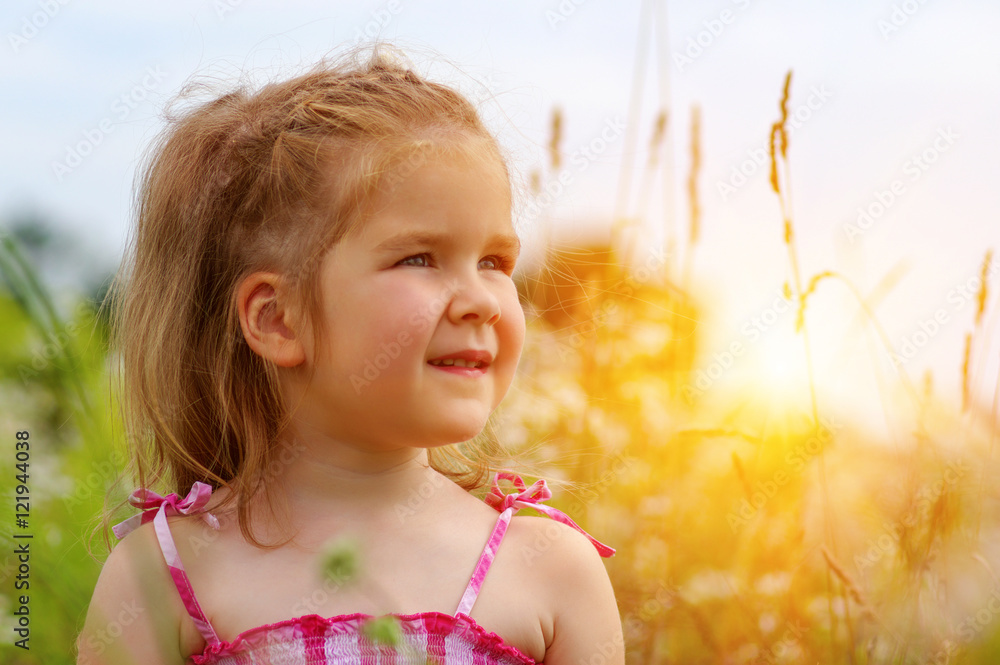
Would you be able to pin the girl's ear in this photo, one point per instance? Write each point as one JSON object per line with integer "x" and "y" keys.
{"x": 268, "y": 319}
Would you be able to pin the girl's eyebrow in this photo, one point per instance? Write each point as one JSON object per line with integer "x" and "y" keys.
{"x": 503, "y": 241}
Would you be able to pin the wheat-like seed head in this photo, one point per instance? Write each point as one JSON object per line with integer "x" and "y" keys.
{"x": 983, "y": 276}
{"x": 693, "y": 176}
{"x": 557, "y": 121}
{"x": 965, "y": 371}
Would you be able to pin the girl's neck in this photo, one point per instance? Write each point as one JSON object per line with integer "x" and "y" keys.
{"x": 311, "y": 475}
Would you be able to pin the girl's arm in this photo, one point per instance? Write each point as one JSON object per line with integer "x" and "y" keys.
{"x": 133, "y": 616}
{"x": 586, "y": 622}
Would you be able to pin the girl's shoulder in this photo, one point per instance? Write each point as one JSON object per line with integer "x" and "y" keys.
{"x": 137, "y": 594}
{"x": 566, "y": 574}
{"x": 135, "y": 612}
{"x": 554, "y": 552}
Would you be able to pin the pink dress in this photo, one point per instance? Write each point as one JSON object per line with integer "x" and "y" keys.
{"x": 427, "y": 637}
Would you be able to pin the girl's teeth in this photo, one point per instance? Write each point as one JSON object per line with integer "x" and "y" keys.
{"x": 457, "y": 362}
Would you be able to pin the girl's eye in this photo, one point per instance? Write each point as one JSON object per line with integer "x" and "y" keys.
{"x": 419, "y": 260}
{"x": 496, "y": 263}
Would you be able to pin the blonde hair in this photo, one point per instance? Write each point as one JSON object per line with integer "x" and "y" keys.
{"x": 257, "y": 180}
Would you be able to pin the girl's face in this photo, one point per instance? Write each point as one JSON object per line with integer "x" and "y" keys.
{"x": 422, "y": 288}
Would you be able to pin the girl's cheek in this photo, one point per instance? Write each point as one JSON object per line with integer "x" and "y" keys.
{"x": 399, "y": 336}
{"x": 514, "y": 313}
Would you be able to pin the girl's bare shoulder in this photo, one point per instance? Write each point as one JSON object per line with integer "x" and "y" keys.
{"x": 580, "y": 616}
{"x": 135, "y": 612}
{"x": 552, "y": 550}
{"x": 137, "y": 568}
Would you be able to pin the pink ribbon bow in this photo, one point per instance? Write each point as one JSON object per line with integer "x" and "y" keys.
{"x": 530, "y": 497}
{"x": 152, "y": 503}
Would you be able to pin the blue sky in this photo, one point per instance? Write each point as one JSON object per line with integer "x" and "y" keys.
{"x": 876, "y": 84}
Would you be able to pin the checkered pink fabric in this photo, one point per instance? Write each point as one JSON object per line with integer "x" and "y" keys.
{"x": 428, "y": 637}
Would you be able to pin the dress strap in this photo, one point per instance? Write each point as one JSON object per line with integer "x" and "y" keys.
{"x": 507, "y": 505}
{"x": 157, "y": 509}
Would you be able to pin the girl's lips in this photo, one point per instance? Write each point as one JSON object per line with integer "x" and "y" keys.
{"x": 461, "y": 362}
{"x": 467, "y": 356}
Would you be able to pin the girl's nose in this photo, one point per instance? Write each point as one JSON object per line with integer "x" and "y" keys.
{"x": 473, "y": 300}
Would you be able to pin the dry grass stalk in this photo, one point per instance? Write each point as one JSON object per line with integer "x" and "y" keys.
{"x": 965, "y": 371}
{"x": 693, "y": 175}
{"x": 557, "y": 122}
{"x": 780, "y": 134}
{"x": 656, "y": 140}
{"x": 535, "y": 182}
{"x": 852, "y": 588}
{"x": 967, "y": 379}
{"x": 983, "y": 277}
{"x": 659, "y": 133}
{"x": 784, "y": 114}
{"x": 810, "y": 288}
{"x": 741, "y": 474}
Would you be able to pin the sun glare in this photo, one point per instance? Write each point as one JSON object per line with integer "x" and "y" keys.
{"x": 777, "y": 366}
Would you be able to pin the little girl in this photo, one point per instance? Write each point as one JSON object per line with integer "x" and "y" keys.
{"x": 317, "y": 302}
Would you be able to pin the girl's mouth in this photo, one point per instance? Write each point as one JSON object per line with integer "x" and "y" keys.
{"x": 469, "y": 362}
{"x": 460, "y": 367}
{"x": 457, "y": 362}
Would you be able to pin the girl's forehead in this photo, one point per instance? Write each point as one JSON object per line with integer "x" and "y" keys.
{"x": 430, "y": 171}
{"x": 460, "y": 150}
{"x": 444, "y": 184}
{"x": 395, "y": 171}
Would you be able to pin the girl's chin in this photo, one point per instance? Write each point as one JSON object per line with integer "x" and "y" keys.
{"x": 414, "y": 428}
{"x": 458, "y": 433}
